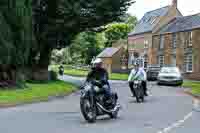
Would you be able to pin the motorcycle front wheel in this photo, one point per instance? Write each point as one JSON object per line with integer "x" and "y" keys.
{"x": 88, "y": 111}
{"x": 139, "y": 94}
{"x": 114, "y": 114}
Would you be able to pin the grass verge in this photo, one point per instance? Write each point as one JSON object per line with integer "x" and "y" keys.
{"x": 195, "y": 86}
{"x": 34, "y": 92}
{"x": 83, "y": 73}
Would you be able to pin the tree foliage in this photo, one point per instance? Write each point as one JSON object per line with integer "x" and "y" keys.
{"x": 115, "y": 32}
{"x": 58, "y": 22}
{"x": 85, "y": 47}
{"x": 16, "y": 31}
{"x": 31, "y": 29}
{"x": 119, "y": 31}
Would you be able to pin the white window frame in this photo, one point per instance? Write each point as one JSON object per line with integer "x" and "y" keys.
{"x": 189, "y": 63}
{"x": 146, "y": 42}
{"x": 174, "y": 40}
{"x": 162, "y": 42}
{"x": 161, "y": 60}
{"x": 190, "y": 39}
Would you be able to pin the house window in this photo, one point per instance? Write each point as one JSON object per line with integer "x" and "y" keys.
{"x": 145, "y": 61}
{"x": 190, "y": 39}
{"x": 161, "y": 60}
{"x": 174, "y": 40}
{"x": 188, "y": 63}
{"x": 146, "y": 44}
{"x": 162, "y": 42}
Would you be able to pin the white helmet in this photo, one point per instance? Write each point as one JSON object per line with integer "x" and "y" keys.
{"x": 98, "y": 60}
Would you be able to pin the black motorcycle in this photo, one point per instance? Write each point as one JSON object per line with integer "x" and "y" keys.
{"x": 93, "y": 103}
{"x": 139, "y": 91}
{"x": 61, "y": 71}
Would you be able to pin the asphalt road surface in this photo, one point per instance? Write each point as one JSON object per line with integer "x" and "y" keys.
{"x": 166, "y": 110}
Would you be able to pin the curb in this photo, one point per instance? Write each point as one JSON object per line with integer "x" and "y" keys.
{"x": 193, "y": 95}
{"x": 195, "y": 101}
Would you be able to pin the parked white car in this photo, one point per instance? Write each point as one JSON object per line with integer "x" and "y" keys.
{"x": 170, "y": 76}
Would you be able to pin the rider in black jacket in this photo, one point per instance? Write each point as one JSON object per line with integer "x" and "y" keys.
{"x": 100, "y": 74}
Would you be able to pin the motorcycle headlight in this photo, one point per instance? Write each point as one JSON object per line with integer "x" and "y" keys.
{"x": 97, "y": 89}
{"x": 136, "y": 82}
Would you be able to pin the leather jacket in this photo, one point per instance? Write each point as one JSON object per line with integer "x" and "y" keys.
{"x": 99, "y": 74}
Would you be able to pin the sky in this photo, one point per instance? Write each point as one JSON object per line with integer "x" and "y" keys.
{"x": 187, "y": 7}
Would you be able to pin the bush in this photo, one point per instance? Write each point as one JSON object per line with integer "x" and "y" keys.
{"x": 53, "y": 76}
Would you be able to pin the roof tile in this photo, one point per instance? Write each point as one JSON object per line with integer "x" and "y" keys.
{"x": 108, "y": 52}
{"x": 145, "y": 25}
{"x": 182, "y": 24}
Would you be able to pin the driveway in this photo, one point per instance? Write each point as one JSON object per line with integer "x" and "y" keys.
{"x": 166, "y": 110}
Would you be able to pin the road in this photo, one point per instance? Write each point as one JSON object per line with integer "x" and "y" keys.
{"x": 166, "y": 110}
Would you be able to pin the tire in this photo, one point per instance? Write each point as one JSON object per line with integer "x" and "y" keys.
{"x": 139, "y": 94}
{"x": 85, "y": 113}
{"x": 142, "y": 99}
{"x": 137, "y": 100}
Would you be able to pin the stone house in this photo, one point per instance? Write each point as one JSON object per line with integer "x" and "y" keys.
{"x": 178, "y": 43}
{"x": 141, "y": 39}
{"x": 112, "y": 58}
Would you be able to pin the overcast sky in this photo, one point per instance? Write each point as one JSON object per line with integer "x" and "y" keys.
{"x": 187, "y": 7}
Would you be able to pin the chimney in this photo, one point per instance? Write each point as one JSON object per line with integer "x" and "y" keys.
{"x": 174, "y": 3}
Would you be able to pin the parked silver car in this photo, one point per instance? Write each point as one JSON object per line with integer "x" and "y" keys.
{"x": 170, "y": 76}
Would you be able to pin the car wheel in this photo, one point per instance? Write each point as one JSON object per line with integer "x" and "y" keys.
{"x": 180, "y": 84}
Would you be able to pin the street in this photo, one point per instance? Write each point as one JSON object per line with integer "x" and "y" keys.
{"x": 167, "y": 109}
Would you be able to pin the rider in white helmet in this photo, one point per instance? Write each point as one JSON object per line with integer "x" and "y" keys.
{"x": 99, "y": 73}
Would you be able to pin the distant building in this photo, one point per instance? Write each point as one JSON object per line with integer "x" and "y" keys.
{"x": 141, "y": 39}
{"x": 178, "y": 43}
{"x": 165, "y": 37}
{"x": 112, "y": 58}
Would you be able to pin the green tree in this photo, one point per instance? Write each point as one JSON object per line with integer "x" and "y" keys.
{"x": 32, "y": 29}
{"x": 16, "y": 40}
{"x": 131, "y": 20}
{"x": 115, "y": 32}
{"x": 56, "y": 23}
{"x": 85, "y": 47}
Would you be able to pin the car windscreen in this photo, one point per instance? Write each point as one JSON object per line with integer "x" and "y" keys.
{"x": 169, "y": 70}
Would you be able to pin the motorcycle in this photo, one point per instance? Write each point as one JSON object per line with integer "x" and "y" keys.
{"x": 139, "y": 91}
{"x": 93, "y": 103}
{"x": 61, "y": 71}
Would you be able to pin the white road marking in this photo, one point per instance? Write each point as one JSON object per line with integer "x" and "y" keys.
{"x": 176, "y": 124}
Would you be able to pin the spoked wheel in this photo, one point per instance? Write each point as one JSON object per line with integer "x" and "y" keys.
{"x": 88, "y": 110}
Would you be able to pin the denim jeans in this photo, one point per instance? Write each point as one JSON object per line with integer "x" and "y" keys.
{"x": 107, "y": 89}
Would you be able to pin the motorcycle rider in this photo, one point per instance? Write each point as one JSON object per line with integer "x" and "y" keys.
{"x": 138, "y": 73}
{"x": 61, "y": 69}
{"x": 100, "y": 74}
